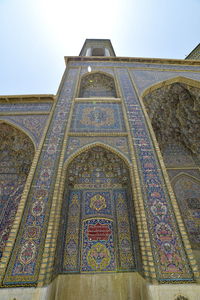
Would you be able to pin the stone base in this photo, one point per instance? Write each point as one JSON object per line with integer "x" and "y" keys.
{"x": 24, "y": 293}
{"x": 119, "y": 286}
{"x": 172, "y": 291}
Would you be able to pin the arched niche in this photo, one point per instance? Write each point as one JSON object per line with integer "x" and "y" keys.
{"x": 187, "y": 191}
{"x": 98, "y": 228}
{"x": 97, "y": 84}
{"x": 16, "y": 155}
{"x": 173, "y": 108}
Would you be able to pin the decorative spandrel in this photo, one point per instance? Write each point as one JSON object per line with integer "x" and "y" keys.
{"x": 97, "y": 229}
{"x": 97, "y": 85}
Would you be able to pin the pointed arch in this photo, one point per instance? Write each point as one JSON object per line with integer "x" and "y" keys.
{"x": 97, "y": 72}
{"x": 96, "y": 180}
{"x": 16, "y": 155}
{"x": 20, "y": 128}
{"x": 181, "y": 175}
{"x": 97, "y": 84}
{"x": 92, "y": 145}
{"x": 171, "y": 105}
{"x": 164, "y": 83}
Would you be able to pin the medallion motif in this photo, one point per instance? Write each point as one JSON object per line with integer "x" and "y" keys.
{"x": 98, "y": 117}
{"x": 98, "y": 257}
{"x": 98, "y": 202}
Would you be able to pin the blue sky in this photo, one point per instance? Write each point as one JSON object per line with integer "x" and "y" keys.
{"x": 36, "y": 35}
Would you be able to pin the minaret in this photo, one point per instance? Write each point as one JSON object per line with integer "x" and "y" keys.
{"x": 97, "y": 47}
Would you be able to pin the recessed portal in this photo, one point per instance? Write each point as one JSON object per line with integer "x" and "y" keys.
{"x": 99, "y": 231}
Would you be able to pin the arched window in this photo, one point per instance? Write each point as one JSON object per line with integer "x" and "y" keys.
{"x": 98, "y": 52}
{"x": 16, "y": 155}
{"x": 97, "y": 85}
{"x": 98, "y": 224}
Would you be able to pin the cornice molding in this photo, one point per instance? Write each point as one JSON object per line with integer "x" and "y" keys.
{"x": 132, "y": 59}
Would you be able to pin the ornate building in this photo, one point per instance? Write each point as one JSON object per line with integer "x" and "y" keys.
{"x": 100, "y": 184}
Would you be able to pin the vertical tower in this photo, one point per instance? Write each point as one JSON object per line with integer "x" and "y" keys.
{"x": 100, "y": 218}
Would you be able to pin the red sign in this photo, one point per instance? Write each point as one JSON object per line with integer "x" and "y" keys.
{"x": 98, "y": 232}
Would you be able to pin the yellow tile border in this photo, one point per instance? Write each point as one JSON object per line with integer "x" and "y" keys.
{"x": 96, "y": 134}
{"x": 137, "y": 60}
{"x": 98, "y": 99}
{"x": 22, "y": 113}
{"x": 183, "y": 168}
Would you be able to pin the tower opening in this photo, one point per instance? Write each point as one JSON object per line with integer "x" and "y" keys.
{"x": 98, "y": 52}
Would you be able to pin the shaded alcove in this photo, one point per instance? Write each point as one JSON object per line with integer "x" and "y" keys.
{"x": 97, "y": 84}
{"x": 98, "y": 228}
{"x": 174, "y": 113}
{"x": 16, "y": 155}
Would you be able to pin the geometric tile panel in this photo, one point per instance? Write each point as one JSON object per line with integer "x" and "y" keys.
{"x": 125, "y": 248}
{"x": 97, "y": 117}
{"x": 71, "y": 240}
{"x": 98, "y": 232}
{"x": 97, "y": 202}
{"x": 98, "y": 251}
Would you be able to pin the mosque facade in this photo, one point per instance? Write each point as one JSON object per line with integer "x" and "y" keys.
{"x": 100, "y": 183}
